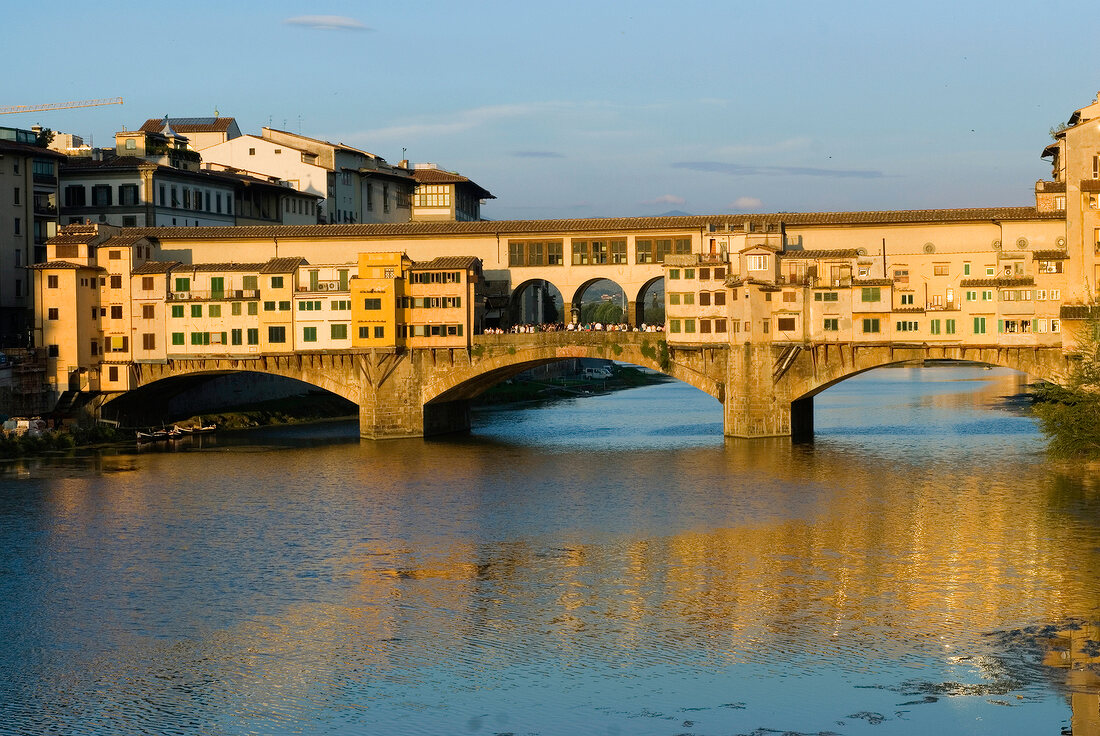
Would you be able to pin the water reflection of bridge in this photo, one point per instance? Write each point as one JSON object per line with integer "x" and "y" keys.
{"x": 765, "y": 389}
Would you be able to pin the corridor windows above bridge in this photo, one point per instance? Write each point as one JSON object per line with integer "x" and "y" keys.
{"x": 654, "y": 250}
{"x": 535, "y": 253}
{"x": 598, "y": 252}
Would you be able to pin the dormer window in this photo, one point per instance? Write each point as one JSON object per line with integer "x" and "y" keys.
{"x": 131, "y": 144}
{"x": 758, "y": 263}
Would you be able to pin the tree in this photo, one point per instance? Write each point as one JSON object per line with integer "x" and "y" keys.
{"x": 1070, "y": 413}
{"x": 44, "y": 138}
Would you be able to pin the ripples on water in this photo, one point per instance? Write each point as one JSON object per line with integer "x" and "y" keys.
{"x": 605, "y": 565}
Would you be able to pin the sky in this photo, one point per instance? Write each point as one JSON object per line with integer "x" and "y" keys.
{"x": 597, "y": 109}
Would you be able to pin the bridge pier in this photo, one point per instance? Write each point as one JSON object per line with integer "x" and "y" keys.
{"x": 755, "y": 405}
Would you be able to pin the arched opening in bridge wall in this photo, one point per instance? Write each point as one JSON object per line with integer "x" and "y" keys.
{"x": 650, "y": 302}
{"x": 600, "y": 300}
{"x": 907, "y": 397}
{"x": 176, "y": 398}
{"x": 537, "y": 302}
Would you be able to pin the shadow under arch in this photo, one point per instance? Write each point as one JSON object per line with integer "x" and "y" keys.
{"x": 466, "y": 385}
{"x": 179, "y": 395}
{"x": 536, "y": 302}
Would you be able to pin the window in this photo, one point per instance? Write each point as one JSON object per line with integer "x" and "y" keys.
{"x": 276, "y": 334}
{"x": 200, "y": 338}
{"x": 1055, "y": 294}
{"x": 17, "y": 226}
{"x": 789, "y": 296}
{"x": 785, "y": 324}
{"x": 757, "y": 263}
{"x": 235, "y": 309}
{"x": 116, "y": 281}
{"x": 972, "y": 296}
{"x": 871, "y": 325}
{"x": 364, "y": 333}
{"x": 1050, "y": 267}
{"x": 832, "y": 324}
{"x": 643, "y": 251}
{"x": 979, "y": 325}
{"x": 177, "y": 310}
{"x": 51, "y": 351}
{"x": 906, "y": 326}
{"x": 276, "y": 282}
{"x": 673, "y": 297}
{"x": 196, "y": 310}
{"x": 339, "y": 332}
{"x": 987, "y": 295}
{"x": 148, "y": 341}
{"x": 901, "y": 276}
{"x": 689, "y": 273}
{"x": 966, "y": 269}
{"x": 51, "y": 313}
{"x": 74, "y": 196}
{"x": 950, "y": 326}
{"x": 148, "y": 311}
{"x": 720, "y": 298}
{"x": 704, "y": 298}
{"x": 674, "y": 325}
{"x": 16, "y": 192}
{"x": 253, "y": 308}
{"x": 116, "y": 311}
{"x": 309, "y": 334}
{"x": 269, "y": 306}
{"x": 939, "y": 269}
{"x": 689, "y": 325}
{"x": 215, "y": 310}
{"x": 990, "y": 270}
{"x": 112, "y": 373}
{"x": 719, "y": 325}
{"x": 826, "y": 296}
{"x": 871, "y": 294}
{"x": 907, "y": 299}
{"x": 253, "y": 335}
{"x": 372, "y": 304}
{"x": 235, "y": 337}
{"x": 183, "y": 284}
{"x": 51, "y": 282}
{"x": 148, "y": 283}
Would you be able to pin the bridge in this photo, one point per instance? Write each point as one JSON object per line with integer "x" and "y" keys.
{"x": 766, "y": 389}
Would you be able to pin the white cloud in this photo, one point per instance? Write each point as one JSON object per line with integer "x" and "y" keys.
{"x": 327, "y": 23}
{"x": 666, "y": 199}
{"x": 746, "y": 203}
{"x": 750, "y": 149}
{"x": 456, "y": 122}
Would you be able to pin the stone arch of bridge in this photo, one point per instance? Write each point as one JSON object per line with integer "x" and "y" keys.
{"x": 515, "y": 301}
{"x": 582, "y": 289}
{"x": 492, "y": 369}
{"x": 336, "y": 373}
{"x": 818, "y": 370}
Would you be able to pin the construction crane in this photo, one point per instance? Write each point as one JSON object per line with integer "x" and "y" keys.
{"x": 60, "y": 105}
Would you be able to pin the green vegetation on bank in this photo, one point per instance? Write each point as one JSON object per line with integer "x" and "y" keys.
{"x": 20, "y": 445}
{"x": 1070, "y": 414}
{"x": 310, "y": 407}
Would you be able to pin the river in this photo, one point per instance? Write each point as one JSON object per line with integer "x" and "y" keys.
{"x": 604, "y": 565}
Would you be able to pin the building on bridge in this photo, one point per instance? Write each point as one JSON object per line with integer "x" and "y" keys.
{"x": 761, "y": 311}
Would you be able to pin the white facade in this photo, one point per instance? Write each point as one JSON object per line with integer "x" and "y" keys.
{"x": 252, "y": 155}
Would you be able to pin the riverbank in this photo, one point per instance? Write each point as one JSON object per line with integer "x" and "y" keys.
{"x": 524, "y": 390}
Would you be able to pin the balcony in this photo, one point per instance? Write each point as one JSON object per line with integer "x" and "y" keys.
{"x": 45, "y": 210}
{"x": 213, "y": 296}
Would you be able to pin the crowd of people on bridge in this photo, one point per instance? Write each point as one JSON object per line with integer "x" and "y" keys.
{"x": 572, "y": 327}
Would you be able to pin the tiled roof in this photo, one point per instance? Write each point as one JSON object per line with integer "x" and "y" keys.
{"x": 1090, "y": 185}
{"x": 28, "y": 149}
{"x": 872, "y": 282}
{"x": 116, "y": 162}
{"x": 189, "y": 125}
{"x": 742, "y": 281}
{"x": 219, "y": 267}
{"x": 63, "y": 264}
{"x": 283, "y": 265}
{"x": 816, "y": 255}
{"x": 609, "y": 224}
{"x": 72, "y": 238}
{"x": 1016, "y": 281}
{"x": 1050, "y": 186}
{"x": 445, "y": 262}
{"x": 154, "y": 267}
{"x": 1078, "y": 311}
{"x": 442, "y": 176}
{"x": 1049, "y": 255}
{"x": 125, "y": 240}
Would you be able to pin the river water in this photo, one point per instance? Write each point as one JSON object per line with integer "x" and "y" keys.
{"x": 605, "y": 565}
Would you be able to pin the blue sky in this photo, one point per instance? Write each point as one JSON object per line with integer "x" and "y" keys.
{"x": 588, "y": 109}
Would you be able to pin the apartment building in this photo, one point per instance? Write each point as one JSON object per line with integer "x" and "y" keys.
{"x": 201, "y": 133}
{"x": 28, "y": 217}
{"x": 444, "y": 195}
